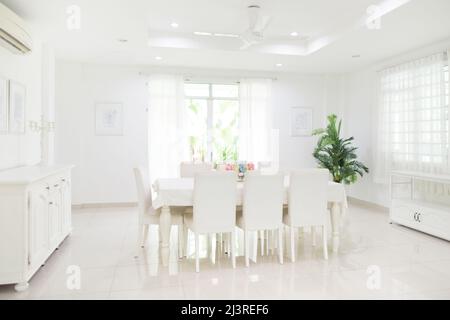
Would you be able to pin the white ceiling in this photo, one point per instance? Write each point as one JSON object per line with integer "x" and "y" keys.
{"x": 336, "y": 25}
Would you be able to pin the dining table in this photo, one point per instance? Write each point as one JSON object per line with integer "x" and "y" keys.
{"x": 178, "y": 192}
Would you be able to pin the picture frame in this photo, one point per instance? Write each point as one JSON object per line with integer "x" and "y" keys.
{"x": 17, "y": 107}
{"x": 4, "y": 105}
{"x": 109, "y": 119}
{"x": 301, "y": 121}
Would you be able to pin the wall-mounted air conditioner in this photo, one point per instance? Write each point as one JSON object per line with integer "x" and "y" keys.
{"x": 14, "y": 35}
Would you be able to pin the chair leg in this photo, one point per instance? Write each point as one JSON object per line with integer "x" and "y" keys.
{"x": 261, "y": 233}
{"x": 213, "y": 247}
{"x": 325, "y": 242}
{"x": 255, "y": 245}
{"x": 186, "y": 241}
{"x": 280, "y": 244}
{"x": 272, "y": 241}
{"x": 180, "y": 241}
{"x": 233, "y": 248}
{"x": 225, "y": 244}
{"x": 140, "y": 240}
{"x": 197, "y": 253}
{"x": 313, "y": 236}
{"x": 247, "y": 248}
{"x": 292, "y": 244}
{"x": 145, "y": 235}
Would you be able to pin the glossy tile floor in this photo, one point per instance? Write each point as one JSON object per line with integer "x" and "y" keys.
{"x": 376, "y": 261}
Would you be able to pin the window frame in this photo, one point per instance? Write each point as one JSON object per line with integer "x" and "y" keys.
{"x": 445, "y": 160}
{"x": 210, "y": 109}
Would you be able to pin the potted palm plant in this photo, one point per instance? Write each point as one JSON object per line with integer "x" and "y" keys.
{"x": 337, "y": 154}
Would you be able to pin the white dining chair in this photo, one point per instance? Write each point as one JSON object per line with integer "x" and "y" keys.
{"x": 189, "y": 169}
{"x": 148, "y": 215}
{"x": 307, "y": 204}
{"x": 214, "y": 209}
{"x": 264, "y": 166}
{"x": 262, "y": 209}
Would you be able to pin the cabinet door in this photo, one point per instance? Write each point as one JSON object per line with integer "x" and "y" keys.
{"x": 54, "y": 233}
{"x": 435, "y": 219}
{"x": 39, "y": 217}
{"x": 404, "y": 214}
{"x": 66, "y": 206}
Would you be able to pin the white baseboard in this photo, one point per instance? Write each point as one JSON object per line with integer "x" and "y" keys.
{"x": 368, "y": 204}
{"x": 104, "y": 205}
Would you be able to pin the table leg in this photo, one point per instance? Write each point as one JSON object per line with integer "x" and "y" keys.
{"x": 335, "y": 224}
{"x": 165, "y": 225}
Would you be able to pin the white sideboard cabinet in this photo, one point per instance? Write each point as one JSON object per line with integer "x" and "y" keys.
{"x": 409, "y": 210}
{"x": 35, "y": 217}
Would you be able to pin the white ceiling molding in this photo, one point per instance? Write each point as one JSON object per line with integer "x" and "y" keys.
{"x": 330, "y": 32}
{"x": 279, "y": 45}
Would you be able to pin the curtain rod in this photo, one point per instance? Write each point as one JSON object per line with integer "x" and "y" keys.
{"x": 411, "y": 60}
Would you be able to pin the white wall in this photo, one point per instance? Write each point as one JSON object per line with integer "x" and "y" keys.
{"x": 103, "y": 172}
{"x": 300, "y": 91}
{"x": 360, "y": 114}
{"x": 23, "y": 149}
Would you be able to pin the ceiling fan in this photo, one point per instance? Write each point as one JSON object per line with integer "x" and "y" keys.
{"x": 258, "y": 23}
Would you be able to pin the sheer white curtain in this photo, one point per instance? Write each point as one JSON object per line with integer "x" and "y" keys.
{"x": 255, "y": 123}
{"x": 167, "y": 139}
{"x": 413, "y": 127}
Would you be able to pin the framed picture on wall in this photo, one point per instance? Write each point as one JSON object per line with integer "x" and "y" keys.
{"x": 301, "y": 121}
{"x": 3, "y": 105}
{"x": 17, "y": 96}
{"x": 108, "y": 119}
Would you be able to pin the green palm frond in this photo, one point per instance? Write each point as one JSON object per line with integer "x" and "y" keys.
{"x": 337, "y": 154}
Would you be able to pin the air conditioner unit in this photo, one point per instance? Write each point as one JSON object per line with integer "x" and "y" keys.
{"x": 14, "y": 35}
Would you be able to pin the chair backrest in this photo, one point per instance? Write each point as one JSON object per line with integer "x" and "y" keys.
{"x": 307, "y": 201}
{"x": 144, "y": 191}
{"x": 263, "y": 201}
{"x": 215, "y": 196}
{"x": 189, "y": 169}
{"x": 267, "y": 167}
{"x": 264, "y": 165}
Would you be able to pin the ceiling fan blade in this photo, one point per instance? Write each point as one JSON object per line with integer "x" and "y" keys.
{"x": 245, "y": 46}
{"x": 245, "y": 43}
{"x": 262, "y": 23}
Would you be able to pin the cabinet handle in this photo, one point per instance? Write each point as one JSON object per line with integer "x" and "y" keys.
{"x": 48, "y": 188}
{"x": 415, "y": 216}
{"x": 50, "y": 203}
{"x": 418, "y": 217}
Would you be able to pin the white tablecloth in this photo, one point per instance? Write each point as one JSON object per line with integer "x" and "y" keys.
{"x": 179, "y": 191}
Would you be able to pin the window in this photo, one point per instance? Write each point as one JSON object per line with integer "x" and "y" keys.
{"x": 414, "y": 117}
{"x": 213, "y": 121}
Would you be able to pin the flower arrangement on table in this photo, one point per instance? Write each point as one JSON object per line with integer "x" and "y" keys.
{"x": 240, "y": 168}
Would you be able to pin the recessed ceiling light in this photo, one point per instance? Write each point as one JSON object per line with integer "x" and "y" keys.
{"x": 158, "y": 58}
{"x": 278, "y": 65}
{"x": 174, "y": 25}
{"x": 201, "y": 33}
{"x": 294, "y": 34}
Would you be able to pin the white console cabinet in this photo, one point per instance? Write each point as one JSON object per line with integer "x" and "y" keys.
{"x": 425, "y": 216}
{"x": 35, "y": 217}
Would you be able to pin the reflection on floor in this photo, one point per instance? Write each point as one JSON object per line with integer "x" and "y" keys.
{"x": 376, "y": 261}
